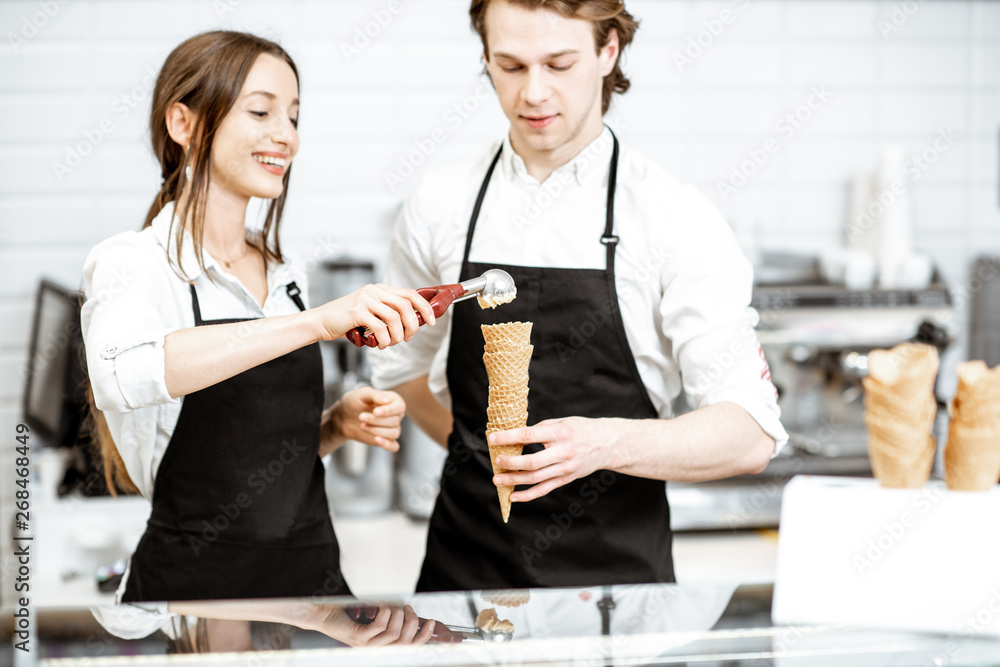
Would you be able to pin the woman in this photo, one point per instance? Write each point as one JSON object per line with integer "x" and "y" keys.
{"x": 203, "y": 357}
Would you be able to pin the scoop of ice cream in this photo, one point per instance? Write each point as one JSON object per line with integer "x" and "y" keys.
{"x": 496, "y": 298}
{"x": 488, "y": 620}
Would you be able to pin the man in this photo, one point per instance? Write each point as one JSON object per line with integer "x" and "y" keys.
{"x": 636, "y": 288}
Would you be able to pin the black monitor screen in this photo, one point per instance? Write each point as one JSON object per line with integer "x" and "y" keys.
{"x": 54, "y": 397}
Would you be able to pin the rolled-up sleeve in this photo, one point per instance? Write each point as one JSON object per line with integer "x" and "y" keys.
{"x": 706, "y": 315}
{"x": 411, "y": 263}
{"x": 122, "y": 328}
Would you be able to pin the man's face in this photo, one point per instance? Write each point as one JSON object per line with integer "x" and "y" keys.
{"x": 548, "y": 76}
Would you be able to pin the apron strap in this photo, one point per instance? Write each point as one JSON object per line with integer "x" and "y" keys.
{"x": 606, "y": 604}
{"x": 479, "y": 204}
{"x": 294, "y": 292}
{"x": 195, "y": 306}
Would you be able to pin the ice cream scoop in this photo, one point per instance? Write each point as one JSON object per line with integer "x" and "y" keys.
{"x": 493, "y": 288}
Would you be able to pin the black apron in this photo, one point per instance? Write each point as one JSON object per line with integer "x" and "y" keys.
{"x": 239, "y": 505}
{"x": 607, "y": 528}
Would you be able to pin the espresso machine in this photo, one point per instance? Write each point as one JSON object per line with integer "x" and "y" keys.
{"x": 816, "y": 337}
{"x": 359, "y": 477}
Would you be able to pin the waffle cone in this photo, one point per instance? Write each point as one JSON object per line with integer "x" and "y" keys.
{"x": 972, "y": 456}
{"x": 507, "y": 357}
{"x": 511, "y": 598}
{"x": 900, "y": 408}
{"x": 503, "y": 492}
{"x": 517, "y": 333}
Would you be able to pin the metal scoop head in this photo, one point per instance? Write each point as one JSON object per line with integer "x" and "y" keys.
{"x": 493, "y": 288}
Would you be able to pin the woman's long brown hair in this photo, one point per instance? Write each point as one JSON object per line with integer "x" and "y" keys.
{"x": 205, "y": 73}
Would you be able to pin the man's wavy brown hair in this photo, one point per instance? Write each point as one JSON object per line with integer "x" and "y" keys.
{"x": 604, "y": 15}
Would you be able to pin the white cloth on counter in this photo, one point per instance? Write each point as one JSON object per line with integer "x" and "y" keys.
{"x": 684, "y": 285}
{"x": 134, "y": 299}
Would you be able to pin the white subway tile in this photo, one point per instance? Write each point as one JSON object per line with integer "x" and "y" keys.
{"x": 985, "y": 205}
{"x": 832, "y": 163}
{"x": 343, "y": 114}
{"x": 722, "y": 113}
{"x": 820, "y": 209}
{"x": 906, "y": 111}
{"x": 986, "y": 64}
{"x": 843, "y": 113}
{"x": 740, "y": 63}
{"x": 986, "y": 19}
{"x": 659, "y": 18}
{"x": 926, "y": 19}
{"x": 764, "y": 210}
{"x": 43, "y": 66}
{"x": 674, "y": 156}
{"x": 32, "y": 21}
{"x": 985, "y": 112}
{"x": 423, "y": 65}
{"x": 15, "y": 323}
{"x": 832, "y": 18}
{"x": 984, "y": 163}
{"x": 12, "y": 368}
{"x": 25, "y": 267}
{"x": 938, "y": 207}
{"x": 44, "y": 116}
{"x": 657, "y": 63}
{"x": 840, "y": 64}
{"x": 173, "y": 20}
{"x": 757, "y": 18}
{"x": 923, "y": 63}
{"x": 653, "y": 114}
{"x": 733, "y": 163}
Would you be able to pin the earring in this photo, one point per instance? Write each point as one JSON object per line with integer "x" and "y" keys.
{"x": 187, "y": 172}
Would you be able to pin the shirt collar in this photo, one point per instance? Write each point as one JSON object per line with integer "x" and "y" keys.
{"x": 163, "y": 231}
{"x": 589, "y": 167}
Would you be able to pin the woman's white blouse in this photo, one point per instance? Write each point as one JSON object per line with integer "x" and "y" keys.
{"x": 135, "y": 297}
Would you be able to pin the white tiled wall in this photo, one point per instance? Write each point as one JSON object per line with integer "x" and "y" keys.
{"x": 77, "y": 63}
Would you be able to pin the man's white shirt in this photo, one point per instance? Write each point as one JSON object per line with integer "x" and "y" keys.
{"x": 684, "y": 285}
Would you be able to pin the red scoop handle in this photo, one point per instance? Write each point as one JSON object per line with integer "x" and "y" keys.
{"x": 439, "y": 297}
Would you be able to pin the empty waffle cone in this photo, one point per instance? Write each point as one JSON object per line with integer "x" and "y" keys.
{"x": 517, "y": 334}
{"x": 900, "y": 408}
{"x": 511, "y": 598}
{"x": 972, "y": 456}
{"x": 901, "y": 456}
{"x": 507, "y": 359}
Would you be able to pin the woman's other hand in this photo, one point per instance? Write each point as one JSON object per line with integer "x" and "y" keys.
{"x": 390, "y": 313}
{"x": 366, "y": 415}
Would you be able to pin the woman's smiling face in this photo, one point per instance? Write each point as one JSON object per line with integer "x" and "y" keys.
{"x": 256, "y": 141}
